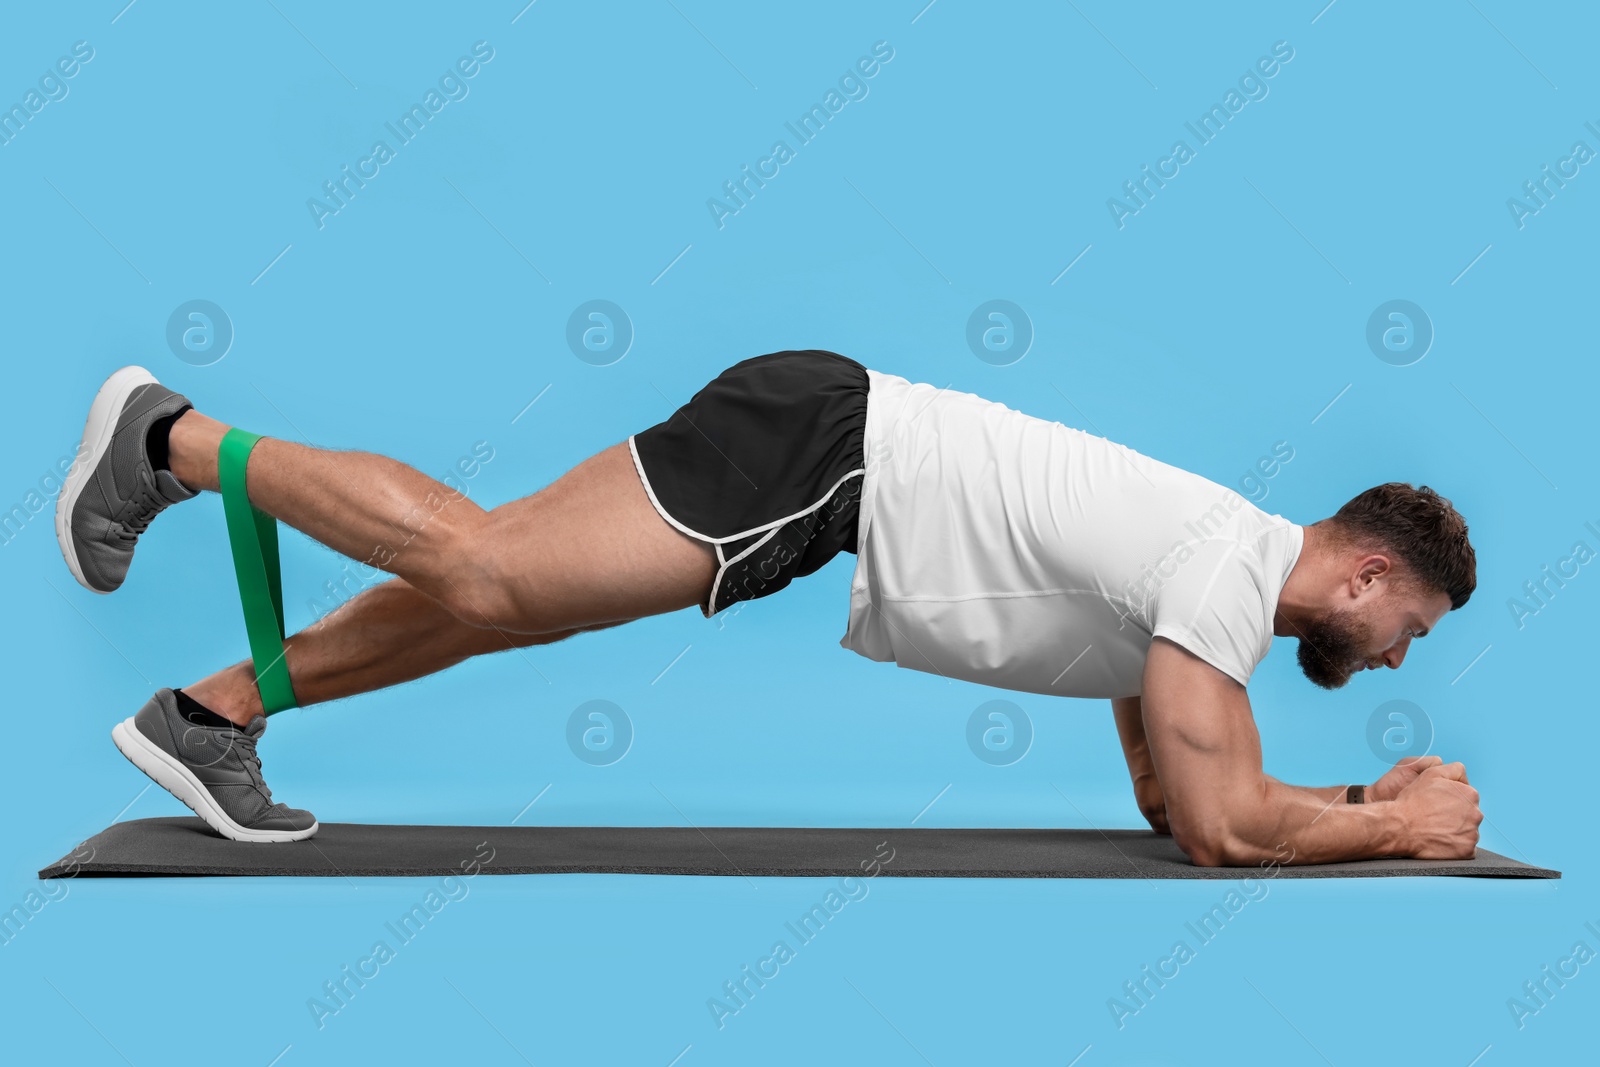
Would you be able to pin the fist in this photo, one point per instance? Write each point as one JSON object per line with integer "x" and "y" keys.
{"x": 1403, "y": 774}
{"x": 1441, "y": 814}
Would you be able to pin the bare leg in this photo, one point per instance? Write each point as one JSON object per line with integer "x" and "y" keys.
{"x": 587, "y": 551}
{"x": 590, "y": 548}
{"x": 383, "y": 636}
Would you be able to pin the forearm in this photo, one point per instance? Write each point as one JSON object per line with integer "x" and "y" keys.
{"x": 1224, "y": 811}
{"x": 1147, "y": 790}
{"x": 1326, "y": 794}
{"x": 1130, "y": 731}
{"x": 1274, "y": 822}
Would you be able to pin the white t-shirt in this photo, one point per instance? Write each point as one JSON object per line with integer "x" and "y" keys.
{"x": 1003, "y": 549}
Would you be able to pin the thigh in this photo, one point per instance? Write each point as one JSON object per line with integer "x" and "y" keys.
{"x": 506, "y": 640}
{"x": 590, "y": 549}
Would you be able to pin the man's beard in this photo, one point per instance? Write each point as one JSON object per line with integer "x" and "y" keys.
{"x": 1333, "y": 647}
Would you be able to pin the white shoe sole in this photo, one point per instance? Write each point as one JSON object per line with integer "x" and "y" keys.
{"x": 178, "y": 780}
{"x": 97, "y": 435}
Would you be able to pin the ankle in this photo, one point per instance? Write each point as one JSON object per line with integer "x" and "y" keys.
{"x": 238, "y": 707}
{"x": 192, "y": 447}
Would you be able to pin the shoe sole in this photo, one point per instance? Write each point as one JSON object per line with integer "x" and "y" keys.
{"x": 175, "y": 778}
{"x": 98, "y": 432}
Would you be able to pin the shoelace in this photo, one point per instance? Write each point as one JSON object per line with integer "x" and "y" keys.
{"x": 245, "y": 746}
{"x": 148, "y": 503}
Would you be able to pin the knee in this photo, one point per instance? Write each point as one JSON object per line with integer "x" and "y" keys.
{"x": 478, "y": 596}
{"x": 467, "y": 581}
{"x": 482, "y": 589}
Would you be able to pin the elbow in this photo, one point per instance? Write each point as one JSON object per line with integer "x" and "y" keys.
{"x": 1212, "y": 843}
{"x": 1202, "y": 851}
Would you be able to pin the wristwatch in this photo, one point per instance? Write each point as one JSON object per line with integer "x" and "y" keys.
{"x": 1356, "y": 794}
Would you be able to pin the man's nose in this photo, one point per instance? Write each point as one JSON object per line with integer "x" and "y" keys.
{"x": 1397, "y": 653}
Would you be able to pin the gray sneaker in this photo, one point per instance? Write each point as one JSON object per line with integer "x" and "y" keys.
{"x": 113, "y": 490}
{"x": 213, "y": 769}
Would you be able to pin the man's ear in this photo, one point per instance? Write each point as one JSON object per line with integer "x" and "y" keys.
{"x": 1371, "y": 570}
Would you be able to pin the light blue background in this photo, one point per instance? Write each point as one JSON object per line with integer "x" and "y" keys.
{"x": 1222, "y": 318}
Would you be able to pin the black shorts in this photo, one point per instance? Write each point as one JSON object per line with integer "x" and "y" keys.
{"x": 765, "y": 464}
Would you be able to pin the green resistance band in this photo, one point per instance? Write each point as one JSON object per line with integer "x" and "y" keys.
{"x": 253, "y": 534}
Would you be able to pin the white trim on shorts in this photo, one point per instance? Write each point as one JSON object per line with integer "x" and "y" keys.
{"x": 724, "y": 563}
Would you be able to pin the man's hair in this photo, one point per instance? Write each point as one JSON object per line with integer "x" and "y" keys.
{"x": 1418, "y": 526}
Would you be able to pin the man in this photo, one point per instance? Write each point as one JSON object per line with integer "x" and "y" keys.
{"x": 991, "y": 546}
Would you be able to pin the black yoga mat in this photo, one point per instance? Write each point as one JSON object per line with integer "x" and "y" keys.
{"x": 186, "y": 846}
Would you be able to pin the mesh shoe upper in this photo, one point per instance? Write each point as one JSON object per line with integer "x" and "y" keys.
{"x": 125, "y": 492}
{"x": 225, "y": 761}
